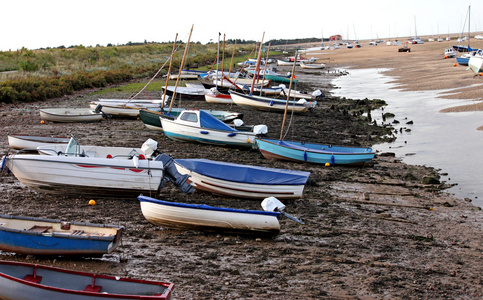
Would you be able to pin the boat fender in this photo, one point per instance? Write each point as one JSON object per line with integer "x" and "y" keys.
{"x": 305, "y": 155}
{"x": 231, "y": 134}
{"x": 332, "y": 159}
{"x": 172, "y": 174}
{"x": 4, "y": 164}
{"x": 271, "y": 102}
{"x": 204, "y": 132}
{"x": 260, "y": 129}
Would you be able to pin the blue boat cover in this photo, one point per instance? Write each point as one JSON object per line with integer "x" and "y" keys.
{"x": 244, "y": 173}
{"x": 209, "y": 121}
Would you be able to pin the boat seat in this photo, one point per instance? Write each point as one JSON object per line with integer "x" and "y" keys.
{"x": 40, "y": 229}
{"x": 93, "y": 288}
{"x": 33, "y": 278}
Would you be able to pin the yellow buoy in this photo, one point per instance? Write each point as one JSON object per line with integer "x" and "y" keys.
{"x": 92, "y": 202}
{"x": 327, "y": 164}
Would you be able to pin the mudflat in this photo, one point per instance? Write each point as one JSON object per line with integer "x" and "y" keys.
{"x": 387, "y": 230}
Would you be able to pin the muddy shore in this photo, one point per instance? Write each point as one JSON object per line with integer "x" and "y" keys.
{"x": 376, "y": 232}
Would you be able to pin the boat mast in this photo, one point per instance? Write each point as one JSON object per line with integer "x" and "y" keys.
{"x": 265, "y": 69}
{"x": 180, "y": 69}
{"x": 223, "y": 61}
{"x": 169, "y": 69}
{"x": 231, "y": 62}
{"x": 217, "y": 60}
{"x": 288, "y": 96}
{"x": 257, "y": 68}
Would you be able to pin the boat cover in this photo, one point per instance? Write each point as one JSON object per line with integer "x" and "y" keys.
{"x": 244, "y": 173}
{"x": 209, "y": 121}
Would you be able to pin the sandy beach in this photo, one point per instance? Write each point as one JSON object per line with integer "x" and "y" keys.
{"x": 387, "y": 230}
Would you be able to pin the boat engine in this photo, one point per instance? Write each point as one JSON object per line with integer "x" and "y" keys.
{"x": 172, "y": 174}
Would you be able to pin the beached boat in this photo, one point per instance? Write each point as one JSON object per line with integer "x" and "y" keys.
{"x": 23, "y": 141}
{"x": 214, "y": 96}
{"x": 271, "y": 104}
{"x": 314, "y": 153}
{"x": 273, "y": 76}
{"x": 125, "y": 107}
{"x": 185, "y": 93}
{"x": 210, "y": 218}
{"x": 242, "y": 181}
{"x": 92, "y": 170}
{"x": 36, "y": 236}
{"x": 305, "y": 65}
{"x": 475, "y": 63}
{"x": 286, "y": 62}
{"x": 68, "y": 115}
{"x": 26, "y": 281}
{"x": 200, "y": 126}
{"x": 315, "y": 95}
{"x": 449, "y": 53}
{"x": 151, "y": 119}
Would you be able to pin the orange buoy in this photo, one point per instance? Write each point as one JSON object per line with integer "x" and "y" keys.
{"x": 42, "y": 122}
{"x": 327, "y": 164}
{"x": 455, "y": 64}
{"x": 92, "y": 202}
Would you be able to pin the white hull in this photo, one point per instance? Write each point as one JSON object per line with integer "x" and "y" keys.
{"x": 125, "y": 107}
{"x": 240, "y": 189}
{"x": 189, "y": 218}
{"x": 185, "y": 132}
{"x": 476, "y": 64}
{"x": 67, "y": 115}
{"x": 216, "y": 98}
{"x": 32, "y": 141}
{"x": 312, "y": 66}
{"x": 86, "y": 175}
{"x": 270, "y": 104}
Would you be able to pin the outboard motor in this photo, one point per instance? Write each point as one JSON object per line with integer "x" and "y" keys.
{"x": 180, "y": 181}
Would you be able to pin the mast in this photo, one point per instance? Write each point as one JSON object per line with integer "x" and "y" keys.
{"x": 265, "y": 69}
{"x": 231, "y": 62}
{"x": 288, "y": 96}
{"x": 217, "y": 60}
{"x": 257, "y": 68}
{"x": 180, "y": 69}
{"x": 169, "y": 69}
{"x": 223, "y": 61}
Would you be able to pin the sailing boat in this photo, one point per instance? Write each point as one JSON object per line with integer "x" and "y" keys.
{"x": 461, "y": 48}
{"x": 311, "y": 152}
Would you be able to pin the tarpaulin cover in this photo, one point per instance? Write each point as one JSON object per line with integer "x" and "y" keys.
{"x": 209, "y": 121}
{"x": 244, "y": 173}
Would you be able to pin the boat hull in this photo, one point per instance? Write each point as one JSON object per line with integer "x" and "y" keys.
{"x": 35, "y": 236}
{"x": 475, "y": 63}
{"x": 218, "y": 98}
{"x": 19, "y": 142}
{"x": 270, "y": 104}
{"x": 87, "y": 176}
{"x": 24, "y": 281}
{"x": 243, "y": 181}
{"x": 314, "y": 153}
{"x": 187, "y": 133}
{"x": 70, "y": 115}
{"x": 204, "y": 217}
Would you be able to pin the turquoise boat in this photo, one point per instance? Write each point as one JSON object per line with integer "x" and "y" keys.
{"x": 314, "y": 153}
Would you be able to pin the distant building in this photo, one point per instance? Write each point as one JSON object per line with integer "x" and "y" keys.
{"x": 336, "y": 37}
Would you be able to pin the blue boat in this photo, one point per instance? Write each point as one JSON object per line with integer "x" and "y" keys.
{"x": 314, "y": 153}
{"x": 243, "y": 181}
{"x": 36, "y": 236}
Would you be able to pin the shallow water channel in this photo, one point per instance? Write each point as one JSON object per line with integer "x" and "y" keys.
{"x": 447, "y": 141}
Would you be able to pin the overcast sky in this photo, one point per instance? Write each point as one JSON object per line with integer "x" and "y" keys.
{"x": 51, "y": 23}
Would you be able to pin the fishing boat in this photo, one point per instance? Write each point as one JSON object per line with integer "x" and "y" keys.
{"x": 93, "y": 170}
{"x": 69, "y": 115}
{"x": 125, "y": 107}
{"x": 314, "y": 153}
{"x": 23, "y": 141}
{"x": 242, "y": 181}
{"x": 150, "y": 117}
{"x": 37, "y": 236}
{"x": 271, "y": 104}
{"x": 209, "y": 218}
{"x": 200, "y": 126}
{"x": 26, "y": 281}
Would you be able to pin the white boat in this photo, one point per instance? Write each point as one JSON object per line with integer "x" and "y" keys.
{"x": 186, "y": 93}
{"x": 271, "y": 104}
{"x": 28, "y": 281}
{"x": 242, "y": 181}
{"x": 67, "y": 115}
{"x": 449, "y": 53}
{"x": 19, "y": 141}
{"x": 317, "y": 94}
{"x": 203, "y": 217}
{"x": 304, "y": 65}
{"x": 475, "y": 63}
{"x": 126, "y": 107}
{"x": 91, "y": 170}
{"x": 200, "y": 126}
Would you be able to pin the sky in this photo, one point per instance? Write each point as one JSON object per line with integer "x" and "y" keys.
{"x": 37, "y": 24}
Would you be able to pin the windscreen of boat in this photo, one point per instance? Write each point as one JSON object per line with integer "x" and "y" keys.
{"x": 209, "y": 121}
{"x": 73, "y": 147}
{"x": 244, "y": 173}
